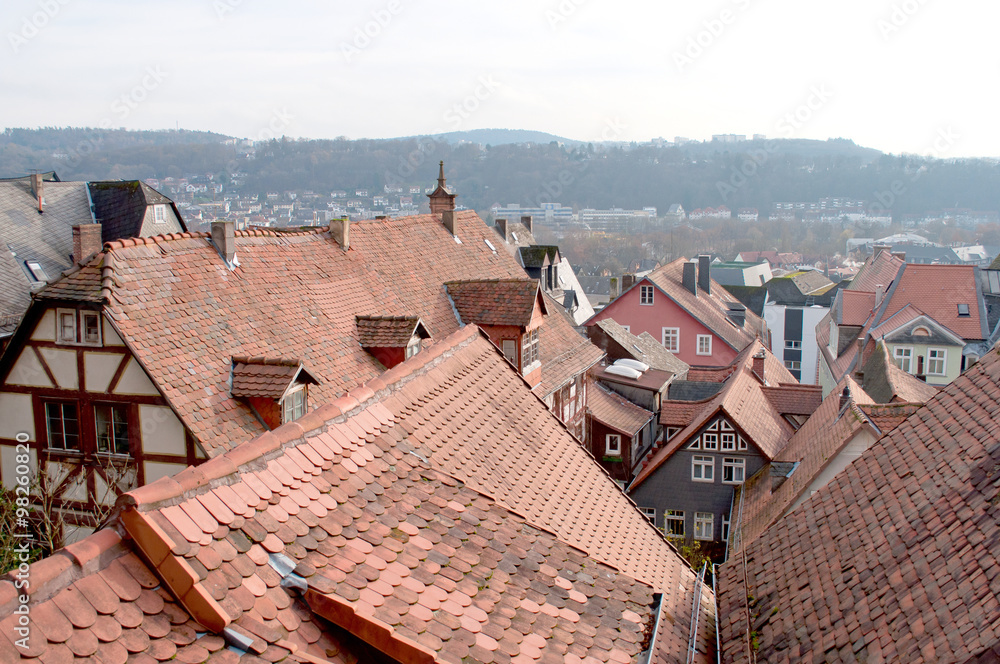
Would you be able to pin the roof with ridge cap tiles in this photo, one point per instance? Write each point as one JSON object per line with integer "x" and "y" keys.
{"x": 896, "y": 559}
{"x": 177, "y": 306}
{"x": 426, "y": 560}
{"x": 388, "y": 331}
{"x": 937, "y": 289}
{"x": 97, "y": 600}
{"x": 616, "y": 412}
{"x": 266, "y": 377}
{"x": 744, "y": 402}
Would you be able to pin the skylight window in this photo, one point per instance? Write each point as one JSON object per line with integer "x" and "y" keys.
{"x": 490, "y": 245}
{"x": 37, "y": 273}
{"x": 514, "y": 235}
{"x": 963, "y": 310}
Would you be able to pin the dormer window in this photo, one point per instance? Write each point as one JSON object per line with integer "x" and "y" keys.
{"x": 293, "y": 406}
{"x": 391, "y": 339}
{"x": 276, "y": 389}
{"x": 159, "y": 214}
{"x": 529, "y": 349}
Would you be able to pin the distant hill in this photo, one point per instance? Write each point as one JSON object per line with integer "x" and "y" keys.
{"x": 502, "y": 137}
{"x": 798, "y": 147}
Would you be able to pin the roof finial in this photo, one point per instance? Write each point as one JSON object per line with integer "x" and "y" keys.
{"x": 441, "y": 174}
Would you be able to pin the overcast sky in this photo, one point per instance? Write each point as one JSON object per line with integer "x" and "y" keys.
{"x": 914, "y": 76}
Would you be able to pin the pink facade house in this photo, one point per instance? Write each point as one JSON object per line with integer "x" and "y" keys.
{"x": 693, "y": 316}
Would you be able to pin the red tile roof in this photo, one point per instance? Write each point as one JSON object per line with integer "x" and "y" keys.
{"x": 563, "y": 351}
{"x": 710, "y": 374}
{"x": 896, "y": 559}
{"x": 388, "y": 331}
{"x": 441, "y": 512}
{"x": 880, "y": 269}
{"x": 709, "y": 310}
{"x": 267, "y": 378}
{"x": 681, "y": 413}
{"x": 794, "y": 399}
{"x": 495, "y": 301}
{"x": 744, "y": 402}
{"x": 856, "y": 307}
{"x": 937, "y": 290}
{"x": 184, "y": 314}
{"x": 615, "y": 411}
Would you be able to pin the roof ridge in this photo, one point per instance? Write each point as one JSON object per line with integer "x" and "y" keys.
{"x": 262, "y": 359}
{"x": 194, "y": 480}
{"x": 154, "y": 239}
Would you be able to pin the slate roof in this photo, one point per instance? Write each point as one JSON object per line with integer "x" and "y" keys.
{"x": 710, "y": 310}
{"x": 887, "y": 383}
{"x": 689, "y": 390}
{"x": 494, "y": 301}
{"x": 538, "y": 255}
{"x": 744, "y": 402}
{"x": 615, "y": 411}
{"x": 267, "y": 378}
{"x": 643, "y": 348}
{"x": 896, "y": 559}
{"x": 178, "y": 307}
{"x": 429, "y": 525}
{"x": 752, "y": 297}
{"x": 388, "y": 331}
{"x": 120, "y": 207}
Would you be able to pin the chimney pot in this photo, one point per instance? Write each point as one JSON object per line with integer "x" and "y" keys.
{"x": 86, "y": 242}
{"x": 527, "y": 221}
{"x": 224, "y": 239}
{"x": 688, "y": 278}
{"x": 845, "y": 397}
{"x": 705, "y": 273}
{"x": 340, "y": 229}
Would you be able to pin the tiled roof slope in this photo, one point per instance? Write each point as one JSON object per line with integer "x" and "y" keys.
{"x": 880, "y": 269}
{"x": 264, "y": 377}
{"x": 886, "y": 382}
{"x": 435, "y": 526}
{"x": 743, "y": 400}
{"x": 494, "y": 301}
{"x": 643, "y": 347}
{"x": 896, "y": 559}
{"x": 564, "y": 352}
{"x": 855, "y": 307}
{"x": 710, "y": 310}
{"x": 386, "y": 331}
{"x": 98, "y": 601}
{"x": 616, "y": 412}
{"x": 184, "y": 314}
{"x": 757, "y": 504}
{"x": 937, "y": 290}
{"x": 794, "y": 399}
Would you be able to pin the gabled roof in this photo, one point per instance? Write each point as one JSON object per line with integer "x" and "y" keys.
{"x": 887, "y": 383}
{"x": 268, "y": 378}
{"x": 896, "y": 559}
{"x": 643, "y": 348}
{"x": 389, "y": 331}
{"x": 615, "y": 411}
{"x": 766, "y": 496}
{"x": 120, "y": 207}
{"x": 881, "y": 268}
{"x": 709, "y": 310}
{"x": 743, "y": 401}
{"x": 937, "y": 290}
{"x": 811, "y": 282}
{"x": 495, "y": 301}
{"x": 294, "y": 294}
{"x": 909, "y": 318}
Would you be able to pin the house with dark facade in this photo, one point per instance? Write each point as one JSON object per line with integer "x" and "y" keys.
{"x": 691, "y": 315}
{"x": 686, "y": 486}
{"x": 621, "y": 433}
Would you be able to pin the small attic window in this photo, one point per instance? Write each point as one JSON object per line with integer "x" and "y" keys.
{"x": 159, "y": 214}
{"x": 37, "y": 273}
{"x": 921, "y": 332}
{"x": 963, "y": 310}
{"x": 490, "y": 245}
{"x": 293, "y": 406}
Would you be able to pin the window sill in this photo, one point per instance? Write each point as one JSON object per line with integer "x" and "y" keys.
{"x": 613, "y": 459}
{"x": 703, "y": 481}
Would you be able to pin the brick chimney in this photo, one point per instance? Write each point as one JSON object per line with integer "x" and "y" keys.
{"x": 340, "y": 230}
{"x": 501, "y": 227}
{"x": 38, "y": 189}
{"x": 901, "y": 255}
{"x": 86, "y": 242}
{"x": 705, "y": 273}
{"x": 441, "y": 199}
{"x": 224, "y": 239}
{"x": 450, "y": 221}
{"x": 688, "y": 278}
{"x": 879, "y": 295}
{"x": 615, "y": 288}
{"x": 758, "y": 365}
{"x": 527, "y": 221}
{"x": 628, "y": 280}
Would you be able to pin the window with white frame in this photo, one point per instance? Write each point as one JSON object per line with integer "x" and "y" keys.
{"x": 733, "y": 470}
{"x": 936, "y": 361}
{"x": 704, "y": 526}
{"x": 67, "y": 326}
{"x": 529, "y": 349}
{"x": 704, "y": 344}
{"x": 710, "y": 441}
{"x": 792, "y": 344}
{"x": 159, "y": 214}
{"x": 78, "y": 327}
{"x": 672, "y": 339}
{"x": 293, "y": 406}
{"x": 649, "y": 513}
{"x": 703, "y": 468}
{"x": 725, "y": 527}
{"x": 904, "y": 358}
{"x": 645, "y": 295}
{"x": 509, "y": 350}
{"x": 673, "y": 523}
{"x": 413, "y": 349}
{"x": 793, "y": 365}
{"x": 729, "y": 442}
{"x": 613, "y": 444}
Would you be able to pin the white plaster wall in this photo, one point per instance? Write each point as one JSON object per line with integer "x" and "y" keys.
{"x": 162, "y": 432}
{"x": 62, "y": 364}
{"x": 16, "y": 416}
{"x": 45, "y": 330}
{"x": 135, "y": 381}
{"x": 99, "y": 369}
